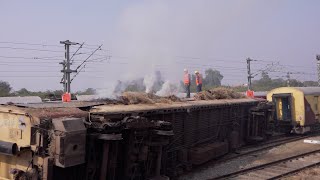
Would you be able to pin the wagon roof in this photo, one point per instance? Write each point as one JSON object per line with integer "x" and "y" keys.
{"x": 165, "y": 106}
{"x": 22, "y": 100}
{"x": 304, "y": 90}
{"x": 49, "y": 110}
{"x": 309, "y": 90}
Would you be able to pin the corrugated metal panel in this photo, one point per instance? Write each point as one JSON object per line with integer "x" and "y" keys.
{"x": 20, "y": 100}
{"x": 201, "y": 125}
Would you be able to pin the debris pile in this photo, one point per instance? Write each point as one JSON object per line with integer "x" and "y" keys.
{"x": 145, "y": 98}
{"x": 150, "y": 98}
{"x": 218, "y": 93}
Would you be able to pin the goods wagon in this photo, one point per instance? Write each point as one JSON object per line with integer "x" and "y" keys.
{"x": 202, "y": 130}
{"x": 93, "y": 140}
{"x": 297, "y": 108}
{"x": 37, "y": 143}
{"x": 43, "y": 140}
{"x": 59, "y": 141}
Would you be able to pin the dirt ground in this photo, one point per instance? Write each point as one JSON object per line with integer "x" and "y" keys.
{"x": 309, "y": 174}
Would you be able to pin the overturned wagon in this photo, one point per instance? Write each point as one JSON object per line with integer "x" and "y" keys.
{"x": 202, "y": 130}
{"x": 89, "y": 140}
{"x": 41, "y": 141}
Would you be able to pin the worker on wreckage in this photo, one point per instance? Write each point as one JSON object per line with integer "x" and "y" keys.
{"x": 187, "y": 81}
{"x": 198, "y": 81}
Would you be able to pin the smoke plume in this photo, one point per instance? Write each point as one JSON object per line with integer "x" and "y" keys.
{"x": 168, "y": 89}
{"x": 153, "y": 83}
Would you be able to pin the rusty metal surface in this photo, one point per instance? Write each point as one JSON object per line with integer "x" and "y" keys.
{"x": 55, "y": 112}
{"x": 203, "y": 124}
{"x": 201, "y": 154}
{"x": 194, "y": 123}
{"x": 73, "y": 104}
{"x": 68, "y": 143}
{"x": 112, "y": 109}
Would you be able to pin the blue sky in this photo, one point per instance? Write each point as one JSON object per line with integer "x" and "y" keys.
{"x": 143, "y": 36}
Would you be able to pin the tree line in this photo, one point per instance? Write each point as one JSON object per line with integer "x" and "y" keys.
{"x": 211, "y": 79}
{"x": 7, "y": 90}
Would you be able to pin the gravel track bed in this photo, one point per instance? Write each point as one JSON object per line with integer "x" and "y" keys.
{"x": 247, "y": 161}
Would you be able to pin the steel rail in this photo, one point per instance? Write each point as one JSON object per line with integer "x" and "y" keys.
{"x": 259, "y": 167}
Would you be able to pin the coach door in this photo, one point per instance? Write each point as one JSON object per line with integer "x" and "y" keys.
{"x": 283, "y": 104}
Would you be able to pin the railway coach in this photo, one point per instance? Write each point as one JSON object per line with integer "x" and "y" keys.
{"x": 297, "y": 108}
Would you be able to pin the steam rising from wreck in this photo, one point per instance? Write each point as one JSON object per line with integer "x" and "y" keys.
{"x": 153, "y": 84}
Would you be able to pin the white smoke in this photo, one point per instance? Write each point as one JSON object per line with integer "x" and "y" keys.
{"x": 113, "y": 92}
{"x": 105, "y": 93}
{"x": 149, "y": 81}
{"x": 153, "y": 82}
{"x": 168, "y": 89}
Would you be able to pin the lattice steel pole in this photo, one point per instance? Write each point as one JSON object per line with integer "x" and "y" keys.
{"x": 318, "y": 68}
{"x": 249, "y": 73}
{"x": 288, "y": 79}
{"x": 66, "y": 70}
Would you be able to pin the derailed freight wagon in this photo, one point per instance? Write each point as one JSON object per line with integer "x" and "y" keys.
{"x": 58, "y": 141}
{"x": 42, "y": 141}
{"x": 85, "y": 140}
{"x": 202, "y": 130}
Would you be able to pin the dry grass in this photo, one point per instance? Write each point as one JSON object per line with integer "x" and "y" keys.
{"x": 218, "y": 93}
{"x": 145, "y": 98}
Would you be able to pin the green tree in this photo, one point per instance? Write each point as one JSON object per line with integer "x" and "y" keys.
{"x": 295, "y": 83}
{"x": 266, "y": 83}
{"x": 88, "y": 91}
{"x": 212, "y": 78}
{"x": 5, "y": 88}
{"x": 22, "y": 92}
{"x": 310, "y": 83}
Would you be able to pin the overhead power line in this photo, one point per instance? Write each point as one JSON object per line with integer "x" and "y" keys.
{"x": 30, "y": 44}
{"x": 41, "y": 50}
{"x": 30, "y": 49}
{"x": 78, "y": 72}
{"x": 88, "y": 57}
{"x": 81, "y": 68}
{"x": 33, "y": 58}
{"x": 76, "y": 52}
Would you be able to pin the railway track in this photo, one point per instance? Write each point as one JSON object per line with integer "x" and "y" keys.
{"x": 249, "y": 151}
{"x": 277, "y": 169}
{"x": 261, "y": 147}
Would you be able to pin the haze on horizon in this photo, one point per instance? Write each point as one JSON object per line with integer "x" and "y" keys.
{"x": 140, "y": 37}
